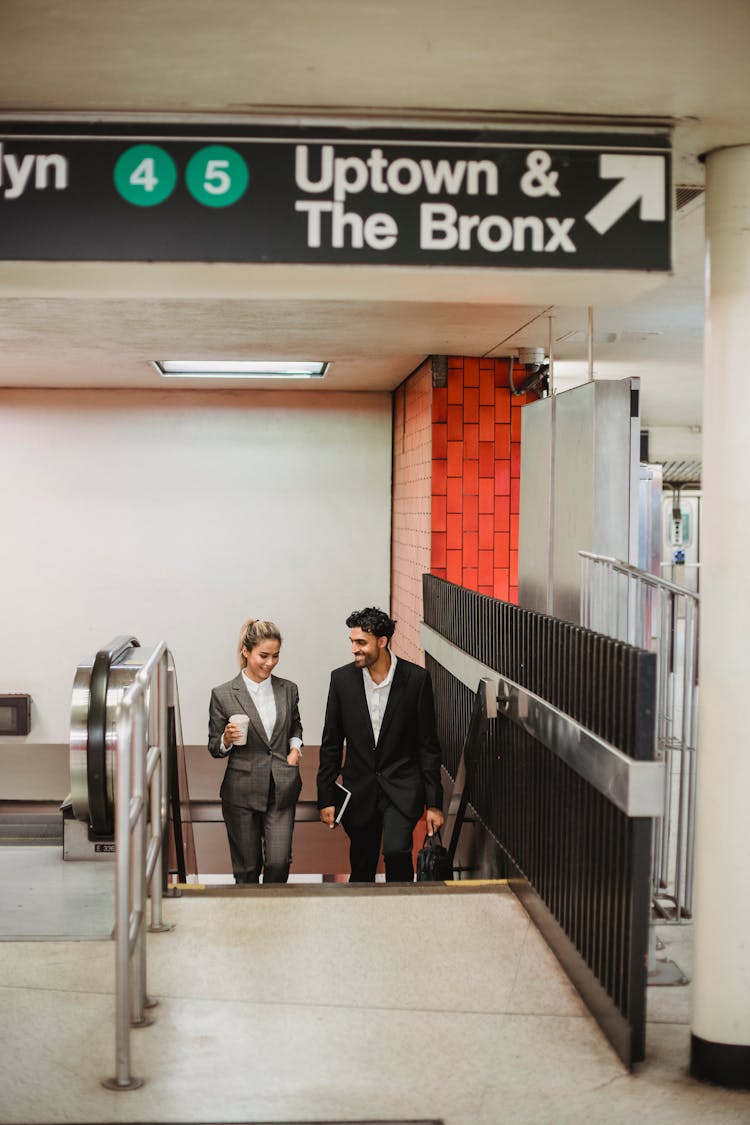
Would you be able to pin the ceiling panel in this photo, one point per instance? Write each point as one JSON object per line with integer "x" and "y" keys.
{"x": 482, "y": 60}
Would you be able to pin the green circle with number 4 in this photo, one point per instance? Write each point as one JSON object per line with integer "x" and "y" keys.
{"x": 217, "y": 176}
{"x": 145, "y": 175}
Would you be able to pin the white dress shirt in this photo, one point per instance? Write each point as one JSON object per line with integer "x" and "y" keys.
{"x": 265, "y": 704}
{"x": 377, "y": 696}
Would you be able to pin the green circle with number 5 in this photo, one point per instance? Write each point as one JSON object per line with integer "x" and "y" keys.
{"x": 217, "y": 176}
{"x": 145, "y": 175}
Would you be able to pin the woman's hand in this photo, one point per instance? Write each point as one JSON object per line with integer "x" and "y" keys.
{"x": 232, "y": 733}
{"x": 294, "y": 757}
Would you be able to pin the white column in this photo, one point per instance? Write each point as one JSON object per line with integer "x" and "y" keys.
{"x": 720, "y": 1049}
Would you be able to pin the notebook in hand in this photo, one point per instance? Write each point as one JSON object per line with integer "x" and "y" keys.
{"x": 341, "y": 800}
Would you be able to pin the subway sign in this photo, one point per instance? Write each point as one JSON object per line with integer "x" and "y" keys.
{"x": 551, "y": 199}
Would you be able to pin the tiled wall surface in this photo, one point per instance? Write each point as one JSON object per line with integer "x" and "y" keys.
{"x": 476, "y": 470}
{"x": 456, "y": 486}
{"x": 411, "y": 489}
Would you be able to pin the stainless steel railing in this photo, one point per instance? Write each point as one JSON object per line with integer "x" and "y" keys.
{"x": 641, "y": 609}
{"x": 141, "y": 813}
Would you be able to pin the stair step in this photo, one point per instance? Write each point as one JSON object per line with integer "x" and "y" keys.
{"x": 302, "y": 890}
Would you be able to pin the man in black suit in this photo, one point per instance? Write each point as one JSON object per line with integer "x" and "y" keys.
{"x": 382, "y": 707}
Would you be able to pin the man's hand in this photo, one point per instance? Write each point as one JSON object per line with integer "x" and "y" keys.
{"x": 328, "y": 816}
{"x": 434, "y": 819}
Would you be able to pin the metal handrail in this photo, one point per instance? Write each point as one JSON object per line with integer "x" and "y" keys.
{"x": 634, "y": 787}
{"x": 99, "y": 807}
{"x": 483, "y": 710}
{"x": 141, "y": 813}
{"x": 638, "y": 607}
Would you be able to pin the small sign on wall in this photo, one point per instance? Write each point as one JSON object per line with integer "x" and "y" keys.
{"x": 15, "y": 714}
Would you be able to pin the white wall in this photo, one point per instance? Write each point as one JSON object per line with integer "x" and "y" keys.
{"x": 176, "y": 515}
{"x": 675, "y": 443}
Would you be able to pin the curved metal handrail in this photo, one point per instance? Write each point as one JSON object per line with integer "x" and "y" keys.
{"x": 644, "y": 576}
{"x": 141, "y": 814}
{"x": 100, "y": 810}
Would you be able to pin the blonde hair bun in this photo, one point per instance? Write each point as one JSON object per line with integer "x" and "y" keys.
{"x": 253, "y": 632}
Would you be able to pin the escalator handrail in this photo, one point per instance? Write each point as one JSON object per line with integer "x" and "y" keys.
{"x": 100, "y": 811}
{"x": 484, "y": 708}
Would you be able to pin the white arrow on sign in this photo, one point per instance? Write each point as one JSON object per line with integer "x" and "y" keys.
{"x": 641, "y": 178}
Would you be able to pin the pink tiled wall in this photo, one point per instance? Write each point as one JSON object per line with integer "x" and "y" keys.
{"x": 411, "y": 541}
{"x": 456, "y": 487}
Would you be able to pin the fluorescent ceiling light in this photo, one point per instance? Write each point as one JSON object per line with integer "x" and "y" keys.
{"x": 239, "y": 369}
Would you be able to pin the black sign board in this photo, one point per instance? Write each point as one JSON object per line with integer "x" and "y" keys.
{"x": 550, "y": 199}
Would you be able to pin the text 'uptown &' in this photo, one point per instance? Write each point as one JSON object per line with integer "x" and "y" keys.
{"x": 441, "y": 226}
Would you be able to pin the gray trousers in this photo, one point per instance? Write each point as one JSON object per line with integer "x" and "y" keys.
{"x": 260, "y": 841}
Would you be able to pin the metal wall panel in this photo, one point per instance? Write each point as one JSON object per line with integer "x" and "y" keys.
{"x": 579, "y": 489}
{"x": 649, "y": 518}
{"x": 535, "y": 532}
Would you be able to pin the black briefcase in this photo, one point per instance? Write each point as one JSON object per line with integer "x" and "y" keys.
{"x": 433, "y": 861}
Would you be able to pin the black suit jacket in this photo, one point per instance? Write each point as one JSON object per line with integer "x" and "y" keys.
{"x": 405, "y": 764}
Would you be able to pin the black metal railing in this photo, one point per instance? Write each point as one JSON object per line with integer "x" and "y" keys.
{"x": 571, "y": 704}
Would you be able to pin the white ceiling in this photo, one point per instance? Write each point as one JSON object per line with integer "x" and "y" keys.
{"x": 82, "y": 324}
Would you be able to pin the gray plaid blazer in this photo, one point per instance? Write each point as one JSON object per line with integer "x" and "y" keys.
{"x": 250, "y": 768}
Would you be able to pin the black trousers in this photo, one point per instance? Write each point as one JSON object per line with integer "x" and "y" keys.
{"x": 396, "y": 832}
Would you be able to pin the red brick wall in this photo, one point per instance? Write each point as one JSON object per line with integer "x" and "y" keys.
{"x": 476, "y": 470}
{"x": 411, "y": 489}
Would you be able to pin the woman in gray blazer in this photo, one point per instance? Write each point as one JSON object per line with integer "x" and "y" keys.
{"x": 262, "y": 779}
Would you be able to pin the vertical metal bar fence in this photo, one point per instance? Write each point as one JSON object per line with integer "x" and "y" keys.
{"x": 141, "y": 812}
{"x": 578, "y": 858}
{"x": 624, "y": 602}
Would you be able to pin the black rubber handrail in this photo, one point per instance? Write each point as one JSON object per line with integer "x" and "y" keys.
{"x": 101, "y": 813}
{"x": 472, "y": 747}
{"x": 176, "y": 808}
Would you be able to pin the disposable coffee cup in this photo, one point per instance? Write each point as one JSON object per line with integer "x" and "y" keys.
{"x": 243, "y": 722}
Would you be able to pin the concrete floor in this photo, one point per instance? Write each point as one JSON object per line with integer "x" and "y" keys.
{"x": 320, "y": 1002}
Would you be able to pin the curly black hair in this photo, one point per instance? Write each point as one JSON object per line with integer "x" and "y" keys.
{"x": 372, "y": 620}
